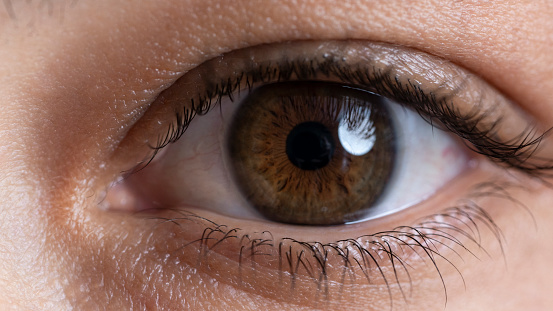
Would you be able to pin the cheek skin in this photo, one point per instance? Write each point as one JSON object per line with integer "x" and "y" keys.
{"x": 64, "y": 95}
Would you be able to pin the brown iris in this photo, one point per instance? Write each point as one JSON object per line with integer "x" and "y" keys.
{"x": 312, "y": 153}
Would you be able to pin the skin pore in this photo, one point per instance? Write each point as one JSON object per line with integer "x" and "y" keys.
{"x": 76, "y": 77}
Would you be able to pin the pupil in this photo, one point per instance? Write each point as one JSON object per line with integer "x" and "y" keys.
{"x": 310, "y": 146}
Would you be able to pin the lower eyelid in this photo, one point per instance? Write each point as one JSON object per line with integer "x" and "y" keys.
{"x": 250, "y": 254}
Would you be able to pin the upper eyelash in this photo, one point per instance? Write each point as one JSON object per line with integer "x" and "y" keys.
{"x": 480, "y": 138}
{"x": 437, "y": 111}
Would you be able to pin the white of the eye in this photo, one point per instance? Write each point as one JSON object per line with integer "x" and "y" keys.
{"x": 427, "y": 159}
{"x": 357, "y": 140}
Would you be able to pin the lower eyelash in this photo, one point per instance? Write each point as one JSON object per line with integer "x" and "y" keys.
{"x": 457, "y": 229}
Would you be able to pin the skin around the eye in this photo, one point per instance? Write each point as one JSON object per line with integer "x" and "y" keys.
{"x": 76, "y": 75}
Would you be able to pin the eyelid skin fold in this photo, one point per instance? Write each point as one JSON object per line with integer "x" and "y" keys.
{"x": 443, "y": 93}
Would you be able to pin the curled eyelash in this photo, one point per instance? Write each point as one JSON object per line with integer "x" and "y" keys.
{"x": 387, "y": 257}
{"x": 478, "y": 132}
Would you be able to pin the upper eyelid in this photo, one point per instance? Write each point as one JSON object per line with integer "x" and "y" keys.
{"x": 215, "y": 78}
{"x": 453, "y": 90}
{"x": 212, "y": 73}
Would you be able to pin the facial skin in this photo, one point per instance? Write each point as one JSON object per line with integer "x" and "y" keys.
{"x": 76, "y": 77}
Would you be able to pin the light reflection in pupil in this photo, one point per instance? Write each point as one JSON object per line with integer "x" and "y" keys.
{"x": 310, "y": 146}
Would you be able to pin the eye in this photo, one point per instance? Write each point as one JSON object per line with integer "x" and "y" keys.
{"x": 314, "y": 153}
{"x": 322, "y": 133}
{"x": 322, "y": 153}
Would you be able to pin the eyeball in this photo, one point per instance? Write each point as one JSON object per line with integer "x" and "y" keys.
{"x": 318, "y": 153}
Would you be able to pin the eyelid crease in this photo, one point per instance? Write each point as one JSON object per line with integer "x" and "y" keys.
{"x": 445, "y": 95}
